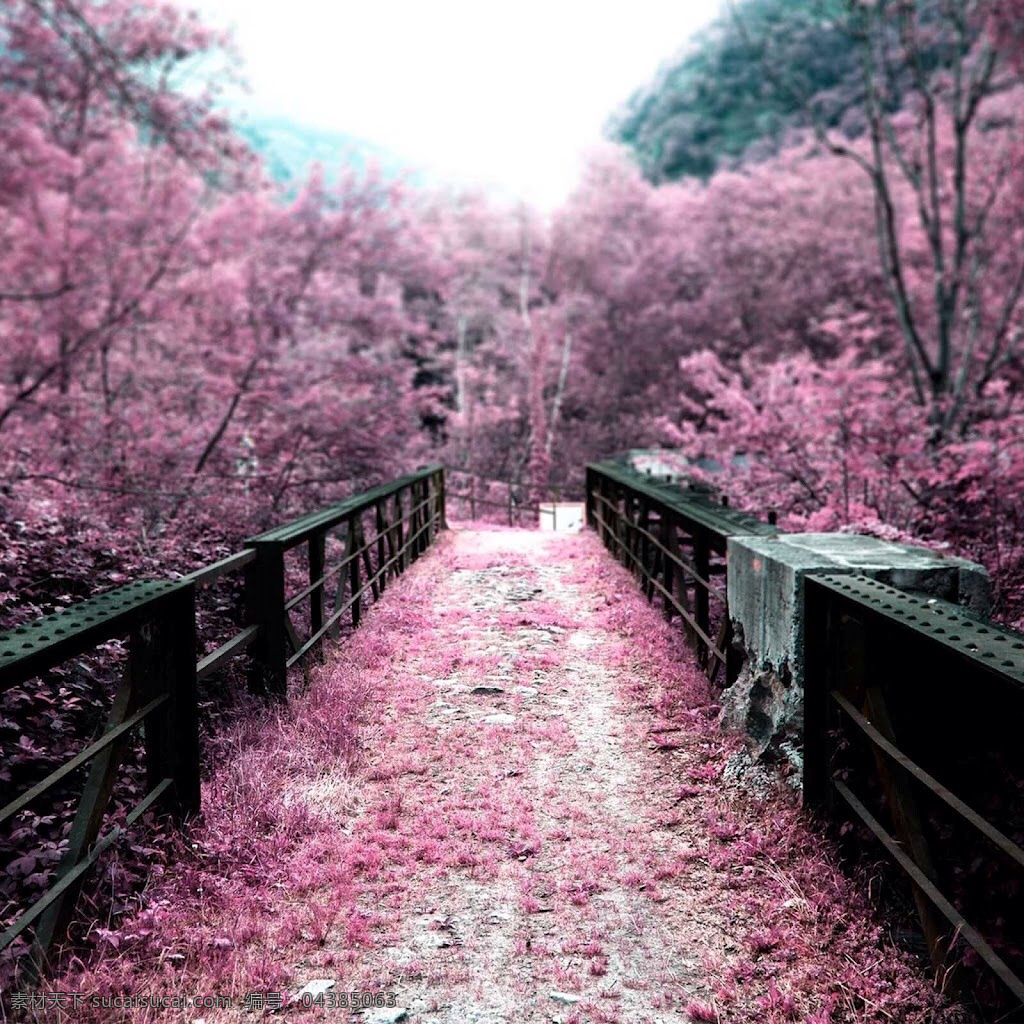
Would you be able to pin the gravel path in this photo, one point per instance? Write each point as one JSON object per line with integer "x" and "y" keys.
{"x": 582, "y": 900}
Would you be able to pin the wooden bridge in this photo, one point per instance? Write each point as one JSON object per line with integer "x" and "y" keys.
{"x": 313, "y": 579}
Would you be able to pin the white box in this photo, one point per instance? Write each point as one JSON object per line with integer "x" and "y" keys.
{"x": 563, "y": 516}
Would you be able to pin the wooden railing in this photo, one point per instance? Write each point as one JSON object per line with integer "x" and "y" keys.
{"x": 384, "y": 530}
{"x": 674, "y": 541}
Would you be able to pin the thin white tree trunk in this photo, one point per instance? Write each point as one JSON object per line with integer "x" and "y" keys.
{"x": 556, "y": 405}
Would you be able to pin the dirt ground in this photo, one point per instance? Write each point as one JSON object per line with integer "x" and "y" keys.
{"x": 587, "y": 898}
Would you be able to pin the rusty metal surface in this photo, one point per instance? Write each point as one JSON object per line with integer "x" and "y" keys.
{"x": 697, "y": 508}
{"x": 995, "y": 648}
{"x": 37, "y": 646}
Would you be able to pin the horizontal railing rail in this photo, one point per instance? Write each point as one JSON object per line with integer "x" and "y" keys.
{"x": 472, "y": 490}
{"x": 300, "y": 529}
{"x": 696, "y": 509}
{"x": 674, "y": 541}
{"x": 385, "y": 529}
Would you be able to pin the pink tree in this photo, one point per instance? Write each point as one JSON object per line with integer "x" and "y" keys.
{"x": 1007, "y": 29}
{"x": 95, "y": 223}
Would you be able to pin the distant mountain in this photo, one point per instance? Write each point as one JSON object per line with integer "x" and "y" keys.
{"x": 290, "y": 148}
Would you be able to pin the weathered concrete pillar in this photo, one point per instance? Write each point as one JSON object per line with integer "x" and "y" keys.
{"x": 766, "y": 603}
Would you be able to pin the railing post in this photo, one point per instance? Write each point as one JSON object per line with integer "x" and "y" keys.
{"x": 442, "y": 512}
{"x": 431, "y": 500}
{"x": 355, "y": 543}
{"x": 388, "y": 534}
{"x": 399, "y": 534}
{"x": 317, "y": 548}
{"x": 623, "y": 534}
{"x": 414, "y": 521}
{"x": 381, "y": 528}
{"x": 619, "y": 526}
{"x": 423, "y": 526}
{"x": 264, "y": 607}
{"x": 424, "y": 502}
{"x": 820, "y": 646}
{"x": 368, "y": 561}
{"x": 683, "y": 581}
{"x": 668, "y": 566}
{"x": 622, "y": 524}
{"x": 702, "y": 565}
{"x": 612, "y": 516}
{"x": 635, "y": 541}
{"x": 163, "y": 661}
{"x": 603, "y": 508}
{"x": 339, "y": 591}
{"x": 590, "y": 485}
{"x": 646, "y": 567}
{"x": 426, "y": 521}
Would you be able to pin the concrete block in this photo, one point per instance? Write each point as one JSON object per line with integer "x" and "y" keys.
{"x": 766, "y": 602}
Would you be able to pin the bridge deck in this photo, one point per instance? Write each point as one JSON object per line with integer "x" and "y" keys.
{"x": 539, "y": 824}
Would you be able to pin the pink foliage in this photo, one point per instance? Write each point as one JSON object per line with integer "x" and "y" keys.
{"x": 702, "y": 1012}
{"x": 1007, "y": 28}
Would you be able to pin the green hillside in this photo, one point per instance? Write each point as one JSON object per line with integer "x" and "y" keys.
{"x": 747, "y": 80}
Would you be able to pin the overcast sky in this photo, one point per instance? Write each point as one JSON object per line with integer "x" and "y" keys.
{"x": 506, "y": 94}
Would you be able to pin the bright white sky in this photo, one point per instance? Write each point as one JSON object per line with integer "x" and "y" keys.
{"x": 505, "y": 94}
